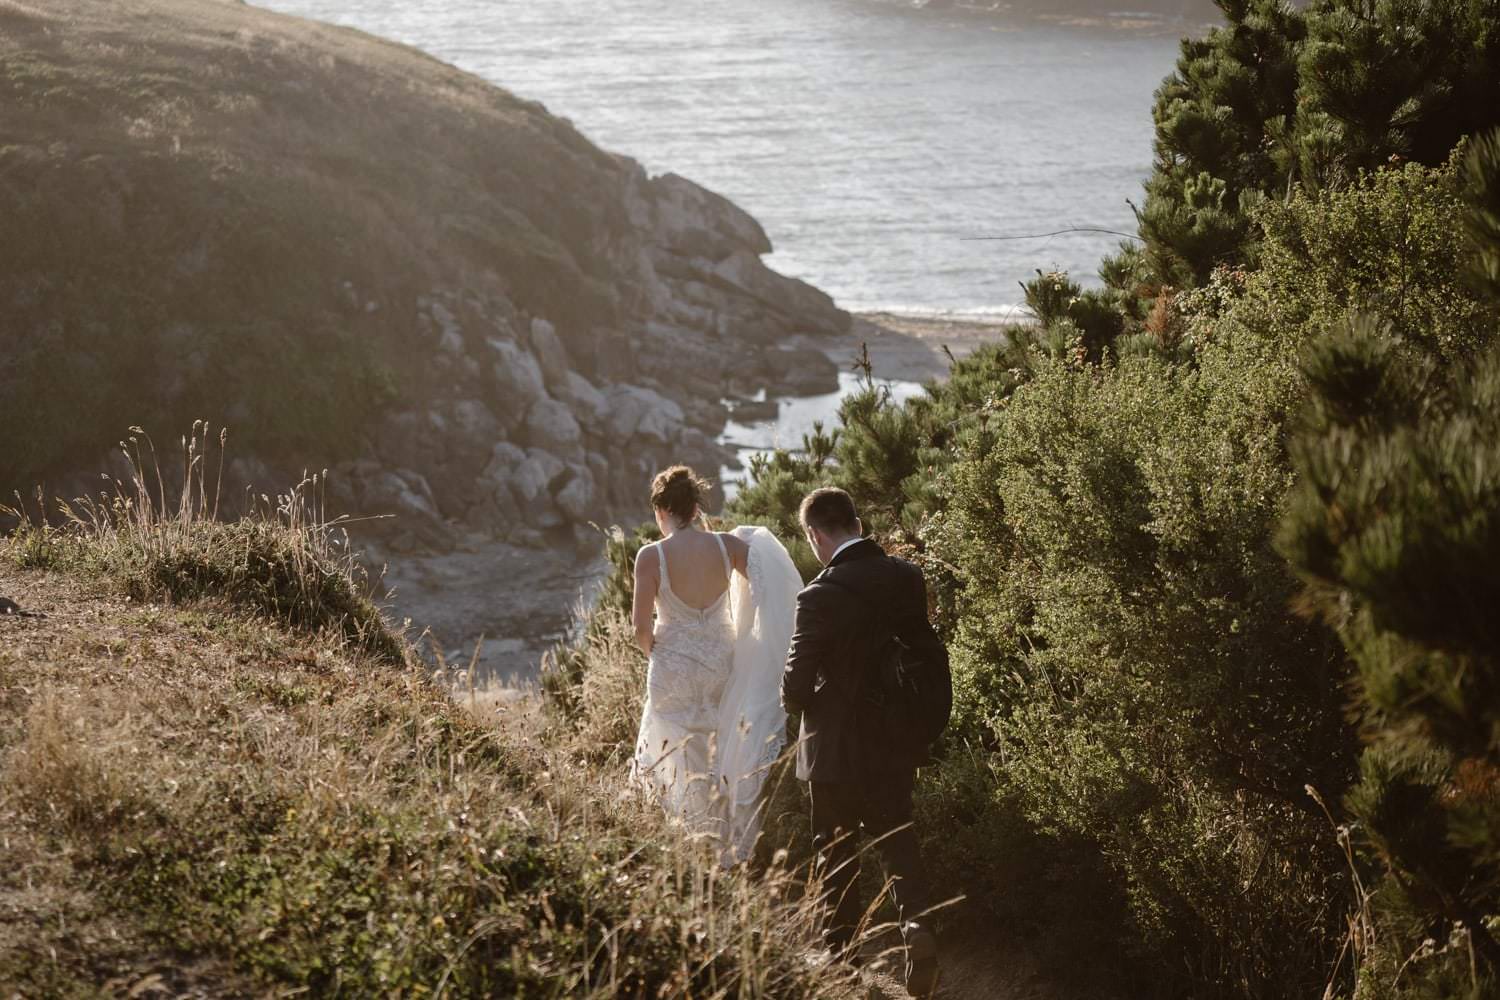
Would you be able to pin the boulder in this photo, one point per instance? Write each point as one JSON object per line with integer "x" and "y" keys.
{"x": 708, "y": 415}
{"x": 407, "y": 439}
{"x": 587, "y": 403}
{"x": 599, "y": 469}
{"x": 633, "y": 407}
{"x": 473, "y": 423}
{"x": 801, "y": 371}
{"x": 504, "y": 457}
{"x": 451, "y": 335}
{"x": 660, "y": 425}
{"x": 496, "y": 511}
{"x": 550, "y": 352}
{"x": 577, "y": 496}
{"x": 550, "y": 425}
{"x": 613, "y": 357}
{"x": 691, "y": 220}
{"x": 626, "y": 484}
{"x": 753, "y": 411}
{"x": 803, "y": 307}
{"x": 531, "y": 486}
{"x": 532, "y": 478}
{"x": 406, "y": 494}
{"x": 526, "y": 538}
{"x": 553, "y": 466}
{"x": 518, "y": 378}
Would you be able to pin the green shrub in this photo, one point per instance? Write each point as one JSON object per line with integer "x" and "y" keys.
{"x": 1132, "y": 678}
{"x": 1395, "y": 528}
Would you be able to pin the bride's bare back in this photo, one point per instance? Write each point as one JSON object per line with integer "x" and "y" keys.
{"x": 695, "y": 568}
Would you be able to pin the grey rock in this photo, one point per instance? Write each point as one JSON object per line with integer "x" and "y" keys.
{"x": 504, "y": 458}
{"x": 750, "y": 411}
{"x": 598, "y": 466}
{"x": 451, "y": 336}
{"x": 473, "y": 421}
{"x": 801, "y": 371}
{"x": 576, "y": 498}
{"x": 532, "y": 484}
{"x": 527, "y": 537}
{"x": 588, "y": 404}
{"x": 551, "y": 425}
{"x": 660, "y": 425}
{"x": 551, "y": 465}
{"x": 693, "y": 220}
{"x": 636, "y": 410}
{"x": 550, "y": 352}
{"x": 518, "y": 377}
{"x": 406, "y": 494}
{"x": 529, "y": 483}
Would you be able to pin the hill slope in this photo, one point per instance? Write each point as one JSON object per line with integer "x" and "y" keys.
{"x": 347, "y": 251}
{"x": 197, "y": 800}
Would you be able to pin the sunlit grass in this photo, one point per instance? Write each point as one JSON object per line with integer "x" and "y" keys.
{"x": 215, "y": 740}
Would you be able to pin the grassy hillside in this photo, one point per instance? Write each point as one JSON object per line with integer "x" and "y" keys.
{"x": 221, "y": 774}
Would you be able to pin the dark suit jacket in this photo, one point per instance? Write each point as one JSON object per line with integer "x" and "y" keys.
{"x": 843, "y": 616}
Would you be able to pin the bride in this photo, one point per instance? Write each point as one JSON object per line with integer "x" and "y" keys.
{"x": 713, "y": 722}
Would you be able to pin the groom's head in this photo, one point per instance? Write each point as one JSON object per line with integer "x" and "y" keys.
{"x": 829, "y": 520}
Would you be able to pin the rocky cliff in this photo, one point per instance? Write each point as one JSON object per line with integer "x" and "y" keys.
{"x": 357, "y": 257}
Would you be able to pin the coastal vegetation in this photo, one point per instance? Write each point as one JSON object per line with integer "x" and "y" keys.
{"x": 1214, "y": 546}
{"x": 222, "y": 773}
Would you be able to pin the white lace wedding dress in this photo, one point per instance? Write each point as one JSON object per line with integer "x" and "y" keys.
{"x": 713, "y": 722}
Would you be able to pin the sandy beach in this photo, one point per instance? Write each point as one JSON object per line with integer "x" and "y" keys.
{"x": 910, "y": 348}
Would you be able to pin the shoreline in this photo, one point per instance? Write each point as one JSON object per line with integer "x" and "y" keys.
{"x": 909, "y": 347}
{"x": 460, "y": 595}
{"x": 1142, "y": 22}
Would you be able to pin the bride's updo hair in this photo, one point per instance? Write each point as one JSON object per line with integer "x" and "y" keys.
{"x": 679, "y": 491}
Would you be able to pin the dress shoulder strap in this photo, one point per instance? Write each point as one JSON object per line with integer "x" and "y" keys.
{"x": 728, "y": 569}
{"x": 661, "y": 557}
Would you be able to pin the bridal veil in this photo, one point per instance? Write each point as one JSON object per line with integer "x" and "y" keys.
{"x": 752, "y": 724}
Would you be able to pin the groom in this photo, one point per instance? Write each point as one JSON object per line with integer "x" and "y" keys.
{"x": 856, "y": 779}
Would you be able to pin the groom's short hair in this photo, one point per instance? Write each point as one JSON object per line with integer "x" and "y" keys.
{"x": 829, "y": 509}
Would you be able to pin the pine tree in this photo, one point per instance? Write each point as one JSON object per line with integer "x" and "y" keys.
{"x": 1383, "y": 78}
{"x": 1276, "y": 97}
{"x": 1212, "y": 154}
{"x": 1482, "y": 180}
{"x": 1395, "y": 529}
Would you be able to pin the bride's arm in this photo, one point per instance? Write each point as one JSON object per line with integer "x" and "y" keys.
{"x": 647, "y": 580}
{"x": 739, "y": 553}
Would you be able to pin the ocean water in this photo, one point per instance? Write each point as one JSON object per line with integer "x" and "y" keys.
{"x": 869, "y": 137}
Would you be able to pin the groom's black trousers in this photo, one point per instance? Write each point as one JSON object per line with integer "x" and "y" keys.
{"x": 879, "y": 803}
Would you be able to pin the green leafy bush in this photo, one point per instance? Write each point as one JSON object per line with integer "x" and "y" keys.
{"x": 1395, "y": 528}
{"x": 1134, "y": 684}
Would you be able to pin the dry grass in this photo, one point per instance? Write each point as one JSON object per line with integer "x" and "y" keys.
{"x": 224, "y": 794}
{"x": 591, "y": 714}
{"x": 159, "y": 536}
